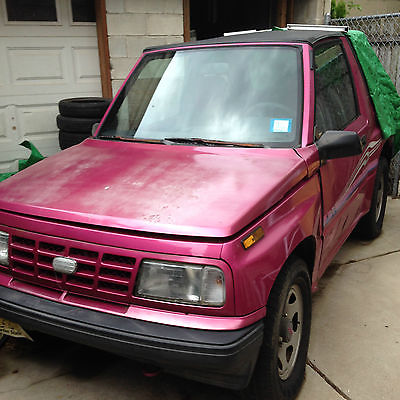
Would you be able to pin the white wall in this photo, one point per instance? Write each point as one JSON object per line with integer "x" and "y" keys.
{"x": 135, "y": 24}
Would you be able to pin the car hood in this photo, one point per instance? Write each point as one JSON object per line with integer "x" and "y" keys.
{"x": 170, "y": 189}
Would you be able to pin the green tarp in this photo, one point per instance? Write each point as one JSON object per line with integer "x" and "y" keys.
{"x": 381, "y": 88}
{"x": 22, "y": 164}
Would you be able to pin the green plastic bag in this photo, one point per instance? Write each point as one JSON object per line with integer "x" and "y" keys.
{"x": 22, "y": 164}
{"x": 381, "y": 88}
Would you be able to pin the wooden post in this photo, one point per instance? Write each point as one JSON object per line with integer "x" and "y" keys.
{"x": 186, "y": 20}
{"x": 282, "y": 13}
{"x": 104, "y": 51}
{"x": 290, "y": 12}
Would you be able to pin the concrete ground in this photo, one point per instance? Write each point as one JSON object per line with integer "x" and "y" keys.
{"x": 354, "y": 348}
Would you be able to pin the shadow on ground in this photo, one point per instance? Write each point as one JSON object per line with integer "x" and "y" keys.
{"x": 51, "y": 368}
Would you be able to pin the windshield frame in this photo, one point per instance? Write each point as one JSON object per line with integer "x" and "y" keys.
{"x": 155, "y": 54}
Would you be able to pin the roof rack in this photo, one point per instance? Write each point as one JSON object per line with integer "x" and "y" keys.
{"x": 328, "y": 28}
{"x": 245, "y": 32}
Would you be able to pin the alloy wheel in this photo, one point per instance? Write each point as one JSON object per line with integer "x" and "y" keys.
{"x": 290, "y": 332}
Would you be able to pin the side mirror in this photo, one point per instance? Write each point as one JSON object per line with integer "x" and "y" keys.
{"x": 94, "y": 128}
{"x": 338, "y": 144}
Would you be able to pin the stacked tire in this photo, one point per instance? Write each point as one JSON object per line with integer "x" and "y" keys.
{"x": 77, "y": 117}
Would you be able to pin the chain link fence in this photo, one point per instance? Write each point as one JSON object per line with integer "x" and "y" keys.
{"x": 383, "y": 32}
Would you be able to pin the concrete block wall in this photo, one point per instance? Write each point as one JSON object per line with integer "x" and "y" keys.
{"x": 311, "y": 11}
{"x": 135, "y": 24}
{"x": 372, "y": 7}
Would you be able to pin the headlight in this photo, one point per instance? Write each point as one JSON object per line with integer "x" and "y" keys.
{"x": 3, "y": 248}
{"x": 180, "y": 282}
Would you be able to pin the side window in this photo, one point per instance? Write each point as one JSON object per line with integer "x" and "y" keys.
{"x": 335, "y": 105}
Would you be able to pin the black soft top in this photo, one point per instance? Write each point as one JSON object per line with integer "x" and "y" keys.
{"x": 291, "y": 36}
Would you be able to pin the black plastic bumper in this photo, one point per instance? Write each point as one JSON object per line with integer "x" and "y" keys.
{"x": 222, "y": 358}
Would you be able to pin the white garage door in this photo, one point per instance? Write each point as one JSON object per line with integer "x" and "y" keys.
{"x": 48, "y": 51}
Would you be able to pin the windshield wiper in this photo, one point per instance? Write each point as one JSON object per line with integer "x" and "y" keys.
{"x": 131, "y": 139}
{"x": 209, "y": 142}
{"x": 198, "y": 141}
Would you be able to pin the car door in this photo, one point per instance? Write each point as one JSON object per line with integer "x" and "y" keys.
{"x": 337, "y": 108}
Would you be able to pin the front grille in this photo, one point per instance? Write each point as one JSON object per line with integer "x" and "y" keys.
{"x": 100, "y": 273}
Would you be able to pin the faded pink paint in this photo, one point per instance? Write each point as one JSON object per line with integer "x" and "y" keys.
{"x": 155, "y": 188}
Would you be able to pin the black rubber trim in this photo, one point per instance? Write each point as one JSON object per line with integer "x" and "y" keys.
{"x": 223, "y": 358}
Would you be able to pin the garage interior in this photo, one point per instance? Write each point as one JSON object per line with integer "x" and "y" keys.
{"x": 212, "y": 18}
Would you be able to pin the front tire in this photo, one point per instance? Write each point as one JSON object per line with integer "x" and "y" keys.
{"x": 280, "y": 369}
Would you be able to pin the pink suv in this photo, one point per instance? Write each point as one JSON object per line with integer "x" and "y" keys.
{"x": 190, "y": 232}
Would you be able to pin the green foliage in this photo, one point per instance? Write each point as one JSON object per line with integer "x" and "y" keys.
{"x": 338, "y": 9}
{"x": 342, "y": 8}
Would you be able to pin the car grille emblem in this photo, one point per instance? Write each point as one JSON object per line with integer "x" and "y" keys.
{"x": 64, "y": 265}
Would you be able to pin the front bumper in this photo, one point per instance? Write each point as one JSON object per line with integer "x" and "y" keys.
{"x": 222, "y": 358}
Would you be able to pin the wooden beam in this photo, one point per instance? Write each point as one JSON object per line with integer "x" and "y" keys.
{"x": 186, "y": 20}
{"x": 104, "y": 51}
{"x": 282, "y": 13}
{"x": 290, "y": 12}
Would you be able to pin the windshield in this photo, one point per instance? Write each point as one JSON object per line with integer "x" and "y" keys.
{"x": 241, "y": 94}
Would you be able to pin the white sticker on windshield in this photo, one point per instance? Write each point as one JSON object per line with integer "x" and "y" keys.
{"x": 281, "y": 125}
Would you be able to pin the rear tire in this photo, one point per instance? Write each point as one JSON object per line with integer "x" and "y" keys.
{"x": 280, "y": 368}
{"x": 370, "y": 225}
